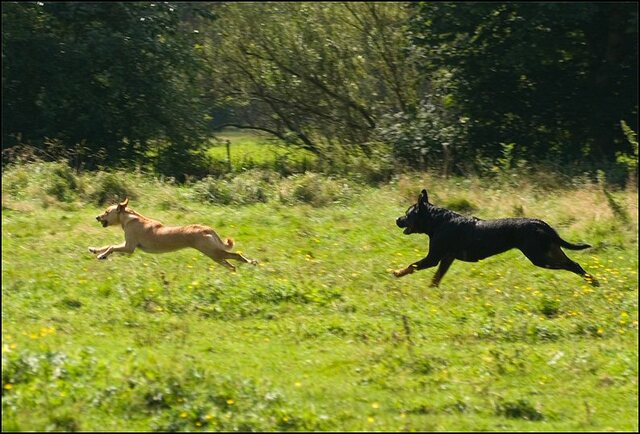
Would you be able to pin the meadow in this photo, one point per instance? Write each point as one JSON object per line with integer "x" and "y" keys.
{"x": 249, "y": 149}
{"x": 319, "y": 335}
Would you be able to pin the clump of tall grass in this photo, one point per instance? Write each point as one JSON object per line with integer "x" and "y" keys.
{"x": 54, "y": 182}
{"x": 314, "y": 189}
{"x": 245, "y": 188}
{"x": 111, "y": 187}
{"x": 47, "y": 182}
{"x": 266, "y": 186}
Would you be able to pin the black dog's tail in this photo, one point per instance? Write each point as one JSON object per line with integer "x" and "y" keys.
{"x": 568, "y": 245}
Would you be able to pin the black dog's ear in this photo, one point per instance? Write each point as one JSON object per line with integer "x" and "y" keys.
{"x": 424, "y": 197}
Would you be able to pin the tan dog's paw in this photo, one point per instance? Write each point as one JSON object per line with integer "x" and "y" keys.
{"x": 93, "y": 249}
{"x": 103, "y": 256}
{"x": 253, "y": 262}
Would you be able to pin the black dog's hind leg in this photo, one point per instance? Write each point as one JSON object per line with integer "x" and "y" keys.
{"x": 442, "y": 269}
{"x": 554, "y": 258}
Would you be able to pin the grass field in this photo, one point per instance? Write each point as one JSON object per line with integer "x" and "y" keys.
{"x": 250, "y": 148}
{"x": 320, "y": 335}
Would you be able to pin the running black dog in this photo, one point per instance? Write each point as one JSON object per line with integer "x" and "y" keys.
{"x": 471, "y": 239}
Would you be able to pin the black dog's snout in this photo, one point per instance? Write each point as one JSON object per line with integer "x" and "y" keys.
{"x": 400, "y": 222}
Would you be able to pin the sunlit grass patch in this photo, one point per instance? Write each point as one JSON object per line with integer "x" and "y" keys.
{"x": 249, "y": 149}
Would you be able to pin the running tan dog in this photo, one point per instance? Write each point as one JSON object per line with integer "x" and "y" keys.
{"x": 151, "y": 236}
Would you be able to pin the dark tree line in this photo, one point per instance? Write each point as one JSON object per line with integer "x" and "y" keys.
{"x": 556, "y": 79}
{"x": 122, "y": 80}
{"x": 436, "y": 83}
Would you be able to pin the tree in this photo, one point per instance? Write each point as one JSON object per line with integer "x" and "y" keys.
{"x": 120, "y": 78}
{"x": 315, "y": 75}
{"x": 554, "y": 78}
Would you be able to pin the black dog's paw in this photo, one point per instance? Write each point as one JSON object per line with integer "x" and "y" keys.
{"x": 593, "y": 281}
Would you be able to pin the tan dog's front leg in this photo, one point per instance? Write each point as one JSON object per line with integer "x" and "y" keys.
{"x": 98, "y": 250}
{"x": 239, "y": 257}
{"x": 124, "y": 247}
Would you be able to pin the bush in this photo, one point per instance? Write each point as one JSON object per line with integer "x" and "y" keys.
{"x": 430, "y": 137}
{"x": 64, "y": 184}
{"x": 249, "y": 187}
{"x": 374, "y": 169}
{"x": 461, "y": 205}
{"x": 314, "y": 189}
{"x": 43, "y": 180}
{"x": 111, "y": 187}
{"x": 180, "y": 163}
{"x": 264, "y": 186}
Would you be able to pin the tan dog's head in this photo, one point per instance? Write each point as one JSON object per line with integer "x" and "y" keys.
{"x": 111, "y": 216}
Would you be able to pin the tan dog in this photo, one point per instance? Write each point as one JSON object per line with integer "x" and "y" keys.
{"x": 151, "y": 236}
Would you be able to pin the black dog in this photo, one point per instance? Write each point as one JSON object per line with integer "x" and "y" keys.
{"x": 471, "y": 239}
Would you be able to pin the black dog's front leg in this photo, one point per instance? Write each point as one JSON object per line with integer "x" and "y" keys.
{"x": 430, "y": 261}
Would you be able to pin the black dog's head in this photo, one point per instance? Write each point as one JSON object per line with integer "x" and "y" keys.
{"x": 414, "y": 220}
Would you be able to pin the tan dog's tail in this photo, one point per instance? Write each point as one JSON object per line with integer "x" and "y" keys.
{"x": 228, "y": 243}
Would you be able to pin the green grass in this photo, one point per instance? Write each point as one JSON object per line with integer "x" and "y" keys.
{"x": 320, "y": 335}
{"x": 250, "y": 149}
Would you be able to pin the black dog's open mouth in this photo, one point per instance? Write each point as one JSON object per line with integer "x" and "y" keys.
{"x": 104, "y": 223}
{"x": 406, "y": 231}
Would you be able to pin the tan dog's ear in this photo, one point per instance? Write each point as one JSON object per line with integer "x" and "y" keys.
{"x": 123, "y": 205}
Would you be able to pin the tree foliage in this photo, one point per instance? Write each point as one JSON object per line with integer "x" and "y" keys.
{"x": 314, "y": 74}
{"x": 555, "y": 78}
{"x": 446, "y": 84}
{"x": 120, "y": 78}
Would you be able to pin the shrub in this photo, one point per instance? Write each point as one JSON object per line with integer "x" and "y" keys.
{"x": 259, "y": 185}
{"x": 111, "y": 187}
{"x": 373, "y": 169}
{"x": 249, "y": 187}
{"x": 630, "y": 161}
{"x": 429, "y": 137}
{"x": 314, "y": 189}
{"x": 520, "y": 409}
{"x": 461, "y": 205}
{"x": 64, "y": 184}
{"x": 44, "y": 180}
{"x": 214, "y": 190}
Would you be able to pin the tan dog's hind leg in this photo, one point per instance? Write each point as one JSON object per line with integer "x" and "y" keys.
{"x": 218, "y": 253}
